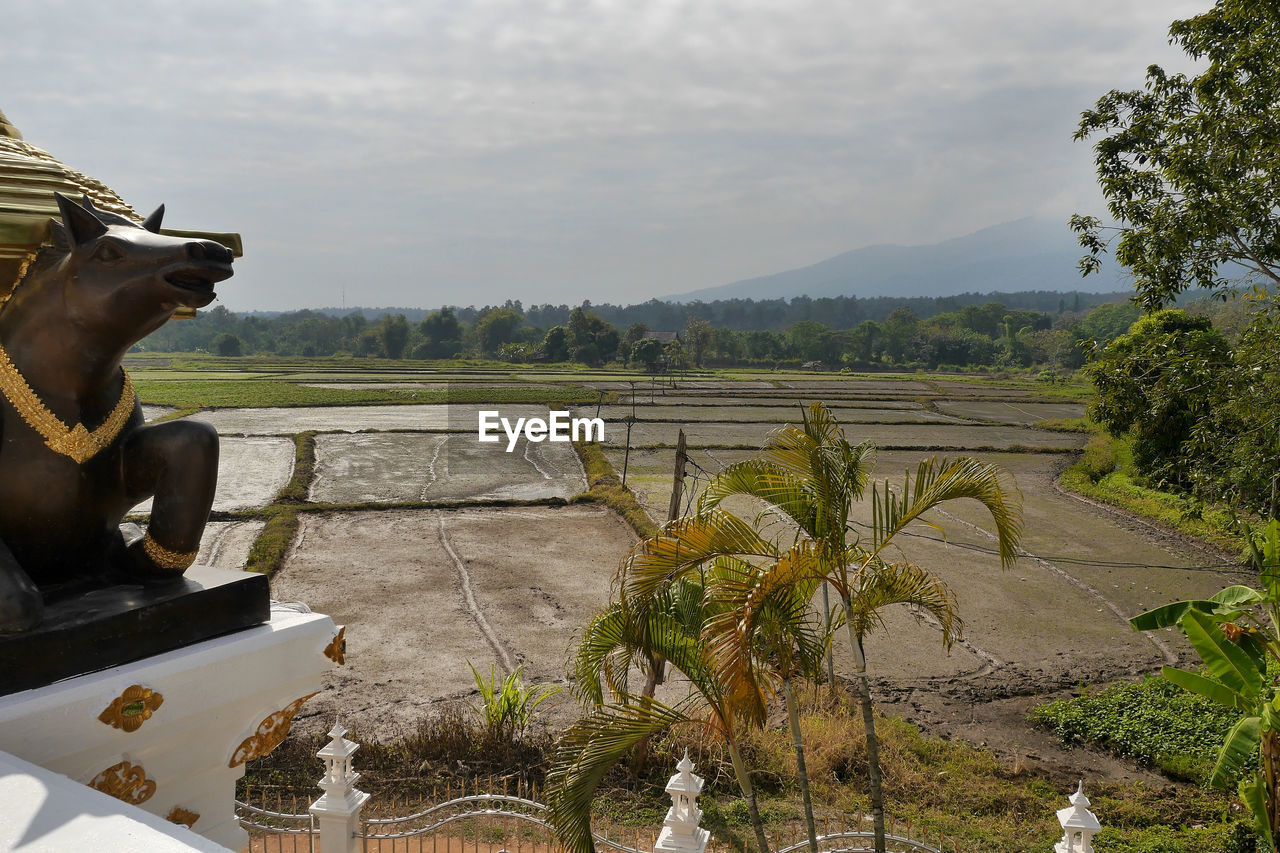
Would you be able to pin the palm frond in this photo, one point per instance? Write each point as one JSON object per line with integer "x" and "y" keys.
{"x": 586, "y": 750}
{"x": 904, "y": 583}
{"x": 685, "y": 545}
{"x": 938, "y": 481}
{"x": 764, "y": 481}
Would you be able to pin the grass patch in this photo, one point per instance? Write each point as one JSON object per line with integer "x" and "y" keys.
{"x": 946, "y": 789}
{"x": 267, "y": 554}
{"x": 1104, "y": 472}
{"x": 1064, "y": 425}
{"x": 604, "y": 487}
{"x": 298, "y": 489}
{"x": 1151, "y": 721}
{"x": 259, "y": 393}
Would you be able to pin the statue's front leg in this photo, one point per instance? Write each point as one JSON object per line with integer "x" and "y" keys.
{"x": 176, "y": 463}
{"x": 21, "y": 604}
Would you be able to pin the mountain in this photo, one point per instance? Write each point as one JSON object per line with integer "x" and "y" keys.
{"x": 1027, "y": 254}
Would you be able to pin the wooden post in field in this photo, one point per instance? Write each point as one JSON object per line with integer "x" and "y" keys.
{"x": 677, "y": 480}
{"x": 659, "y": 669}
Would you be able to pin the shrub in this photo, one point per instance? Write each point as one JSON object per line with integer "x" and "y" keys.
{"x": 1099, "y": 457}
{"x": 1152, "y": 721}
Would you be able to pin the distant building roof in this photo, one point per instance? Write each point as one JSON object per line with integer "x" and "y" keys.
{"x": 665, "y": 337}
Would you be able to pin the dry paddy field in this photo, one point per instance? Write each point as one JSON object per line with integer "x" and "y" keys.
{"x": 437, "y": 551}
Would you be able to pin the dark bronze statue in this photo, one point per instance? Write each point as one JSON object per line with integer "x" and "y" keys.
{"x": 75, "y": 454}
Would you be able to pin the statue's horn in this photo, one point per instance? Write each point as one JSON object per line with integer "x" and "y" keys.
{"x": 152, "y": 222}
{"x": 82, "y": 225}
{"x": 86, "y": 201}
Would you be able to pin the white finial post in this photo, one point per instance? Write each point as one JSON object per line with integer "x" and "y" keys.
{"x": 1079, "y": 825}
{"x": 337, "y": 812}
{"x": 680, "y": 830}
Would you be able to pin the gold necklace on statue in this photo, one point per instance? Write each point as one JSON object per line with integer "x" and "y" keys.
{"x": 78, "y": 442}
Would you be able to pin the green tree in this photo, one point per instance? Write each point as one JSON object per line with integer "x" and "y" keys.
{"x": 591, "y": 340}
{"x": 813, "y": 476}
{"x": 497, "y": 327}
{"x": 556, "y": 345}
{"x": 393, "y": 332}
{"x": 647, "y": 351}
{"x": 897, "y": 332}
{"x": 441, "y": 333}
{"x": 1236, "y": 633}
{"x": 697, "y": 336}
{"x": 1190, "y": 165}
{"x": 635, "y": 333}
{"x": 226, "y": 345}
{"x": 1157, "y": 383}
{"x": 812, "y": 341}
{"x": 1108, "y": 321}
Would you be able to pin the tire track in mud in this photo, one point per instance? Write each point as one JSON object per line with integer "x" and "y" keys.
{"x": 431, "y": 468}
{"x": 1085, "y": 587}
{"x": 469, "y": 601}
{"x": 217, "y": 545}
{"x": 528, "y": 445}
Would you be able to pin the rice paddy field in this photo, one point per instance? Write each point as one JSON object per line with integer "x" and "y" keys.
{"x": 438, "y": 551}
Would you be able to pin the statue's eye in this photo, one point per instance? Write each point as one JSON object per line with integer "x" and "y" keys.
{"x": 108, "y": 253}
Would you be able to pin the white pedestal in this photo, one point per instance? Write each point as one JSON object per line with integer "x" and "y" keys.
{"x": 221, "y": 701}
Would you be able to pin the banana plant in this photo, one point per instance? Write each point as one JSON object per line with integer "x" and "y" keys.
{"x": 1236, "y": 633}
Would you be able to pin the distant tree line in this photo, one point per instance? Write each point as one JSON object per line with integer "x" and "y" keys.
{"x": 988, "y": 334}
{"x": 771, "y": 315}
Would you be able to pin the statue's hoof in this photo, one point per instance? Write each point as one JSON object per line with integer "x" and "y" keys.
{"x": 141, "y": 565}
{"x": 20, "y": 610}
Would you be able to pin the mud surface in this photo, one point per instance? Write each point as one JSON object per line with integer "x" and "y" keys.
{"x": 424, "y": 593}
{"x": 226, "y": 544}
{"x": 428, "y": 416}
{"x": 413, "y": 467}
{"x": 924, "y": 436}
{"x": 1020, "y": 412}
{"x": 774, "y": 414}
{"x": 251, "y": 472}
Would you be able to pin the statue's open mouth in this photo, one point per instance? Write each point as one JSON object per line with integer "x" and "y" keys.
{"x": 201, "y": 279}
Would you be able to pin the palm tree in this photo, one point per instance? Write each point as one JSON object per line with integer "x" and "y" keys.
{"x": 633, "y": 633}
{"x": 765, "y": 625}
{"x": 812, "y": 477}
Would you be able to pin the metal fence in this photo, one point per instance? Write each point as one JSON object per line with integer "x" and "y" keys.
{"x": 485, "y": 822}
{"x": 503, "y": 823}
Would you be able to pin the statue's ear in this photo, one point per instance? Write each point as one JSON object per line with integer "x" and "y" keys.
{"x": 59, "y": 232}
{"x": 86, "y": 201}
{"x": 152, "y": 222}
{"x": 82, "y": 226}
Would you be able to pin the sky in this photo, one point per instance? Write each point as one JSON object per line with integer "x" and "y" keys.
{"x": 415, "y": 154}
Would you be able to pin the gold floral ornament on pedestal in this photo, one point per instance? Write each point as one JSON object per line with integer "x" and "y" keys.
{"x": 125, "y": 781}
{"x": 336, "y": 651}
{"x": 131, "y": 708}
{"x": 271, "y": 733}
{"x": 182, "y": 817}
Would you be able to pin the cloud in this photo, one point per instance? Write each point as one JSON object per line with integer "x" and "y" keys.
{"x": 558, "y": 149}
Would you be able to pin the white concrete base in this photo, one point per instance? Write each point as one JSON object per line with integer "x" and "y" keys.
{"x": 221, "y": 700}
{"x": 45, "y": 812}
